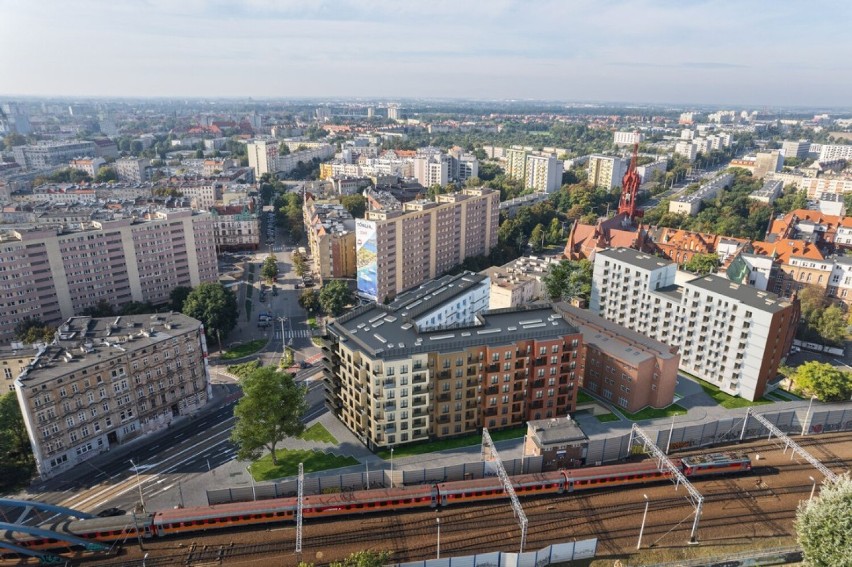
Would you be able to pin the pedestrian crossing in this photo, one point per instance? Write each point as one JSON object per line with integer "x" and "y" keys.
{"x": 298, "y": 334}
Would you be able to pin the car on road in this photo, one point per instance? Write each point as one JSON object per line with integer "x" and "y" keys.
{"x": 110, "y": 512}
{"x": 304, "y": 364}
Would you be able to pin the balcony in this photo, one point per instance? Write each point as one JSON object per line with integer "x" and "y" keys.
{"x": 490, "y": 412}
{"x": 419, "y": 412}
{"x": 492, "y": 390}
{"x": 443, "y": 374}
{"x": 419, "y": 378}
{"x": 471, "y": 404}
{"x": 444, "y": 397}
{"x": 444, "y": 418}
{"x": 419, "y": 401}
{"x": 390, "y": 405}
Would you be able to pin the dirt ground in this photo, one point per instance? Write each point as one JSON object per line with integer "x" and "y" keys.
{"x": 753, "y": 511}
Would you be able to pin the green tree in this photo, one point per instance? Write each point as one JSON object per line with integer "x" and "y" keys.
{"x": 14, "y": 139}
{"x": 831, "y": 325}
{"x": 554, "y": 231}
{"x": 537, "y": 238}
{"x": 355, "y": 204}
{"x": 569, "y": 279}
{"x": 299, "y": 263}
{"x": 826, "y": 382}
{"x": 270, "y": 410}
{"x": 102, "y": 309}
{"x": 215, "y": 306}
{"x": 334, "y": 297}
{"x": 359, "y": 559}
{"x": 137, "y": 308}
{"x": 283, "y": 149}
{"x": 178, "y": 296}
{"x": 17, "y": 465}
{"x": 269, "y": 270}
{"x": 703, "y": 263}
{"x": 309, "y": 301}
{"x": 105, "y": 174}
{"x": 32, "y": 330}
{"x": 199, "y": 154}
{"x": 824, "y": 525}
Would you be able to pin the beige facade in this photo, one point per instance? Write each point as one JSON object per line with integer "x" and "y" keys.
{"x": 132, "y": 170}
{"x": 605, "y": 171}
{"x": 12, "y": 363}
{"x": 103, "y": 382}
{"x": 236, "y": 227}
{"x": 51, "y": 275}
{"x": 426, "y": 239}
{"x": 518, "y": 282}
{"x": 331, "y": 238}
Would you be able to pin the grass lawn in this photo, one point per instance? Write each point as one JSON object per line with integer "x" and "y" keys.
{"x": 288, "y": 463}
{"x": 240, "y": 351}
{"x": 317, "y": 432}
{"x": 312, "y": 322}
{"x": 604, "y": 417}
{"x": 453, "y": 443}
{"x": 583, "y": 397}
{"x": 653, "y": 413}
{"x": 726, "y": 400}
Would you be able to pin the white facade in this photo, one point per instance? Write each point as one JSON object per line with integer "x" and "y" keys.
{"x": 543, "y": 173}
{"x": 831, "y": 152}
{"x": 686, "y": 149}
{"x": 458, "y": 310}
{"x": 261, "y": 156}
{"x": 606, "y": 171}
{"x": 627, "y": 138}
{"x": 132, "y": 170}
{"x": 722, "y": 329}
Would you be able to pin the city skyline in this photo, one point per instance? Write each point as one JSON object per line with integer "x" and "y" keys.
{"x": 653, "y": 51}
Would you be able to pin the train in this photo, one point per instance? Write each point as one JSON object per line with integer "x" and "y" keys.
{"x": 191, "y": 520}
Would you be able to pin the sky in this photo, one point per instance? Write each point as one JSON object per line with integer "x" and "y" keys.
{"x": 771, "y": 53}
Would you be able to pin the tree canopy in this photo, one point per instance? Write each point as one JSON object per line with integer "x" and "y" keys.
{"x": 826, "y": 382}
{"x": 824, "y": 525}
{"x": 269, "y": 270}
{"x": 309, "y": 301}
{"x": 299, "y": 263}
{"x": 177, "y": 297}
{"x": 334, "y": 297}
{"x": 106, "y": 173}
{"x": 32, "y": 330}
{"x": 569, "y": 279}
{"x": 213, "y": 305}
{"x": 17, "y": 464}
{"x": 270, "y": 410}
{"x": 703, "y": 263}
{"x": 355, "y": 204}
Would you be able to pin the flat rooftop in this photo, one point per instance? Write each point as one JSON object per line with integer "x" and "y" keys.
{"x": 636, "y": 258}
{"x": 747, "y": 295}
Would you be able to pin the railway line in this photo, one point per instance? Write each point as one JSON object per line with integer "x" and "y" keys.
{"x": 760, "y": 506}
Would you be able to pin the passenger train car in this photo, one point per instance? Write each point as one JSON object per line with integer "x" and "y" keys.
{"x": 189, "y": 520}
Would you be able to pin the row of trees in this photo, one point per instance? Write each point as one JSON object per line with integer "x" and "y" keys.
{"x": 17, "y": 465}
{"x": 813, "y": 378}
{"x": 332, "y": 299}
{"x": 821, "y": 321}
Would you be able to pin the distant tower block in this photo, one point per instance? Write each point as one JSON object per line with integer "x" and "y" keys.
{"x": 630, "y": 187}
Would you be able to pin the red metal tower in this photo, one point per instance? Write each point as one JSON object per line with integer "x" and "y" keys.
{"x": 630, "y": 187}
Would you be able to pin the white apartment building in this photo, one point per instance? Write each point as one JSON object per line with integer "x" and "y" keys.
{"x": 432, "y": 168}
{"x": 831, "y": 152}
{"x": 544, "y": 173}
{"x": 261, "y": 156}
{"x": 132, "y": 170}
{"x": 793, "y": 149}
{"x": 87, "y": 165}
{"x": 728, "y": 334}
{"x": 686, "y": 149}
{"x": 606, "y": 171}
{"x": 447, "y": 302}
{"x": 627, "y": 138}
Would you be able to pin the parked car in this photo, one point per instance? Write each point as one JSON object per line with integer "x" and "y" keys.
{"x": 110, "y": 512}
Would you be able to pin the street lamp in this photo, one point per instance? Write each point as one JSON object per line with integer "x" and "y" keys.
{"x": 283, "y": 339}
{"x": 813, "y": 488}
{"x": 139, "y": 485}
{"x": 644, "y": 517}
{"x": 806, "y": 424}
{"x": 438, "y": 547}
{"x": 391, "y": 474}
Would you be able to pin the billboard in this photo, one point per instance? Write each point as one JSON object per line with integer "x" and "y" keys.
{"x": 365, "y": 251}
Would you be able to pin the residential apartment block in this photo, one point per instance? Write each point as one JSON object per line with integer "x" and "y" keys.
{"x": 132, "y": 170}
{"x": 331, "y": 238}
{"x": 728, "y": 334}
{"x": 50, "y": 154}
{"x": 103, "y": 382}
{"x": 518, "y": 282}
{"x": 52, "y": 274}
{"x": 623, "y": 366}
{"x": 606, "y": 171}
{"x": 831, "y": 152}
{"x": 392, "y": 383}
{"x": 87, "y": 165}
{"x": 400, "y": 249}
{"x": 538, "y": 170}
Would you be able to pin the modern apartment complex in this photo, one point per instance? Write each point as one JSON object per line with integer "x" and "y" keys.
{"x": 729, "y": 334}
{"x": 53, "y": 274}
{"x": 400, "y": 249}
{"x": 623, "y": 366}
{"x": 103, "y": 382}
{"x": 392, "y": 383}
{"x": 262, "y": 155}
{"x": 132, "y": 170}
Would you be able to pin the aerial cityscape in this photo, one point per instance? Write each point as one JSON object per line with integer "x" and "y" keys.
{"x": 364, "y": 284}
